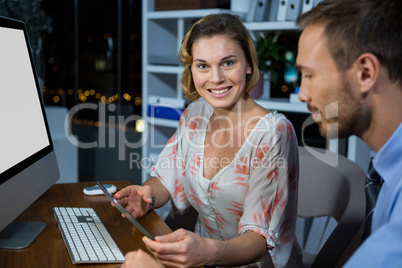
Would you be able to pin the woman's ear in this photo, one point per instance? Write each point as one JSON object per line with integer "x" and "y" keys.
{"x": 368, "y": 67}
{"x": 249, "y": 69}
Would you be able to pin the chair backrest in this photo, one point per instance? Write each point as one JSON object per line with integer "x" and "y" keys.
{"x": 332, "y": 185}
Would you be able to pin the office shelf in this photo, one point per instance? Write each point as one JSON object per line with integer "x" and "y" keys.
{"x": 162, "y": 34}
{"x": 184, "y": 14}
{"x": 163, "y": 69}
{"x": 271, "y": 26}
{"x": 153, "y": 121}
{"x": 283, "y": 104}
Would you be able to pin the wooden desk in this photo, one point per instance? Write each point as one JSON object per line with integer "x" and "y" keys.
{"x": 49, "y": 250}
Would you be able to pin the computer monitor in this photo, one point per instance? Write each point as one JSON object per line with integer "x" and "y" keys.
{"x": 28, "y": 164}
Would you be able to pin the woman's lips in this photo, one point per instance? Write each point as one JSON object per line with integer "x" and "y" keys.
{"x": 220, "y": 92}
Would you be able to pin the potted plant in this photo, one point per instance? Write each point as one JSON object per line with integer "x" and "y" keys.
{"x": 270, "y": 54}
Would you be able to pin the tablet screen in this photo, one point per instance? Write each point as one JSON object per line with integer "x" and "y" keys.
{"x": 125, "y": 213}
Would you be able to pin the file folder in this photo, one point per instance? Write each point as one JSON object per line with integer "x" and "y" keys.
{"x": 273, "y": 10}
{"x": 260, "y": 10}
{"x": 167, "y": 108}
{"x": 307, "y": 5}
{"x": 282, "y": 8}
{"x": 293, "y": 9}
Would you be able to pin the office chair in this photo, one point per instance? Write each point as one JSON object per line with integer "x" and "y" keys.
{"x": 327, "y": 188}
{"x": 329, "y": 185}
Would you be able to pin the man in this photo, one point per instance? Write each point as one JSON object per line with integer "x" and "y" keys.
{"x": 350, "y": 57}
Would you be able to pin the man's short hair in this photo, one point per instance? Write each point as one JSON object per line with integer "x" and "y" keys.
{"x": 354, "y": 27}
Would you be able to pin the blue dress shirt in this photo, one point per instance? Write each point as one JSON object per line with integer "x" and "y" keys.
{"x": 383, "y": 248}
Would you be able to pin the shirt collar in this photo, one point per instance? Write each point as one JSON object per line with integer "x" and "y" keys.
{"x": 388, "y": 160}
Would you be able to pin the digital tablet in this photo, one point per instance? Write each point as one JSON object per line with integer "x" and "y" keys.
{"x": 125, "y": 213}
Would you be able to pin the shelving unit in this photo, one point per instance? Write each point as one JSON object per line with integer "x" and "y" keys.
{"x": 271, "y": 26}
{"x": 162, "y": 33}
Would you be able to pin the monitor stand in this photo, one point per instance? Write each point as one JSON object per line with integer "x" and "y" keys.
{"x": 18, "y": 234}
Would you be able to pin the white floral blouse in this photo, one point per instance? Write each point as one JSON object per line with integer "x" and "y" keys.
{"x": 256, "y": 192}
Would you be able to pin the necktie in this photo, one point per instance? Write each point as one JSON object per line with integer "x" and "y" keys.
{"x": 373, "y": 186}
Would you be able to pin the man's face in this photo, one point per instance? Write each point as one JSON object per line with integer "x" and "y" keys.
{"x": 332, "y": 96}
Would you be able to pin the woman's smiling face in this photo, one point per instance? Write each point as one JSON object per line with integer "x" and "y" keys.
{"x": 219, "y": 70}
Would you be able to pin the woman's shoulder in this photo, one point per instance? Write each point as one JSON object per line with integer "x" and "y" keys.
{"x": 273, "y": 124}
{"x": 197, "y": 108}
{"x": 272, "y": 120}
{"x": 268, "y": 118}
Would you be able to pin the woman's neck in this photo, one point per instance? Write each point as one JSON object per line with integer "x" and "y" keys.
{"x": 234, "y": 116}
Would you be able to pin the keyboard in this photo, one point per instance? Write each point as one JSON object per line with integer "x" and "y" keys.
{"x": 86, "y": 237}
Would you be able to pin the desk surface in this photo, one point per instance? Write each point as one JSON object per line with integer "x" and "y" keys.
{"x": 49, "y": 250}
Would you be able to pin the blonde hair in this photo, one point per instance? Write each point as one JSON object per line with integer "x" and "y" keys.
{"x": 209, "y": 26}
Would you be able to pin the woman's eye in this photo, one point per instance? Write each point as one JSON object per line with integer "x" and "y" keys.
{"x": 202, "y": 66}
{"x": 228, "y": 63}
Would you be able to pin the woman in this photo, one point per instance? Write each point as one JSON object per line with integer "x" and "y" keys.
{"x": 234, "y": 161}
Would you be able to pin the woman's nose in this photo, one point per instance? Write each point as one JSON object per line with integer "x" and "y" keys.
{"x": 217, "y": 75}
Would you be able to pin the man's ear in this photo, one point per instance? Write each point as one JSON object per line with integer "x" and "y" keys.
{"x": 368, "y": 67}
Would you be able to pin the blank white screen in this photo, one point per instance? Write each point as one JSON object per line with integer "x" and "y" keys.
{"x": 23, "y": 130}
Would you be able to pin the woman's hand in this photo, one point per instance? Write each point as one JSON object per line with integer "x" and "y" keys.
{"x": 182, "y": 248}
{"x": 137, "y": 198}
{"x": 140, "y": 259}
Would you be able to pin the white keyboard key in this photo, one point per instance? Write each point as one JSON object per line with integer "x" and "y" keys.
{"x": 63, "y": 211}
{"x": 77, "y": 211}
